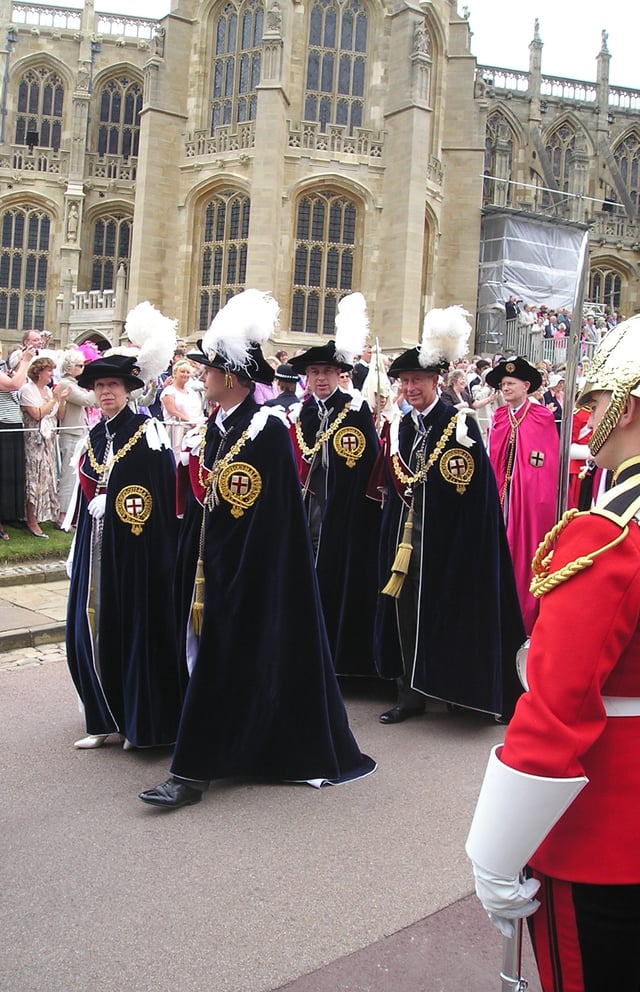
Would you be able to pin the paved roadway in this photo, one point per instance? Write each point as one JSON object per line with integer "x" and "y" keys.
{"x": 359, "y": 888}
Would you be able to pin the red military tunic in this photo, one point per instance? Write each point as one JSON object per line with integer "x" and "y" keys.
{"x": 586, "y": 645}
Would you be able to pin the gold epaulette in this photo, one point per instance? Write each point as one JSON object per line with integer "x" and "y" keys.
{"x": 543, "y": 581}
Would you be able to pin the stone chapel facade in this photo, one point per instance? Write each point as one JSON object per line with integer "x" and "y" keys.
{"x": 310, "y": 149}
{"x": 306, "y": 148}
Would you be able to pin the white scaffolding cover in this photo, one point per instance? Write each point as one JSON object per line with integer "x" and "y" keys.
{"x": 533, "y": 258}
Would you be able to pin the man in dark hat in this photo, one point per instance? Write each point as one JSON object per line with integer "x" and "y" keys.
{"x": 262, "y": 699}
{"x": 120, "y": 630}
{"x": 524, "y": 448}
{"x": 286, "y": 381}
{"x": 445, "y": 627}
{"x": 337, "y": 446}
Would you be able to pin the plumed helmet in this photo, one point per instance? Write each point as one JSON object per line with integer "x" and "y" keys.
{"x": 615, "y": 369}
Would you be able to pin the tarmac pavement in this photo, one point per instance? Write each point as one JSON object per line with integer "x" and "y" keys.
{"x": 262, "y": 886}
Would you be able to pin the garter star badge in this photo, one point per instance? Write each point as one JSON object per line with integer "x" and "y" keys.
{"x": 133, "y": 506}
{"x": 239, "y": 484}
{"x": 349, "y": 443}
{"x": 457, "y": 467}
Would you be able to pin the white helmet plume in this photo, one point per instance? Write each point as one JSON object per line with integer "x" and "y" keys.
{"x": 352, "y": 327}
{"x": 445, "y": 336}
{"x": 248, "y": 318}
{"x": 154, "y": 335}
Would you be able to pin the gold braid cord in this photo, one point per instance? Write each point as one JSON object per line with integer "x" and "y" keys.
{"x": 421, "y": 475}
{"x": 215, "y": 472}
{"x": 400, "y": 566}
{"x": 124, "y": 450}
{"x": 544, "y": 581}
{"x": 310, "y": 452}
{"x": 209, "y": 484}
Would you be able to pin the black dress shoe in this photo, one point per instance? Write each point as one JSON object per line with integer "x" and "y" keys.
{"x": 171, "y": 794}
{"x": 400, "y": 713}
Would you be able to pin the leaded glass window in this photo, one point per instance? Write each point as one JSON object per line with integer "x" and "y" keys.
{"x": 324, "y": 260}
{"x": 223, "y": 265}
{"x": 497, "y": 130}
{"x": 605, "y": 287}
{"x": 236, "y": 63}
{"x": 627, "y": 156}
{"x": 24, "y": 253}
{"x": 40, "y": 106}
{"x": 559, "y": 148}
{"x": 336, "y": 64}
{"x": 111, "y": 249}
{"x": 120, "y": 103}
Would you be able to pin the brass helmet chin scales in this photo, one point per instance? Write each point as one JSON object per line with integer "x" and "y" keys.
{"x": 615, "y": 368}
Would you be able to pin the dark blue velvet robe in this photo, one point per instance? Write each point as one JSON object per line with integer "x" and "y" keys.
{"x": 347, "y": 551}
{"x": 136, "y": 690}
{"x": 263, "y": 699}
{"x": 470, "y": 625}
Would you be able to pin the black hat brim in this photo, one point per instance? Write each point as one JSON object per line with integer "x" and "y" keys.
{"x": 259, "y": 370}
{"x": 516, "y": 368}
{"x": 409, "y": 361}
{"x": 113, "y": 367}
{"x": 324, "y": 354}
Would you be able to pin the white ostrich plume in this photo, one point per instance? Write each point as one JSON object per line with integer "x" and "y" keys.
{"x": 445, "y": 336}
{"x": 155, "y": 337}
{"x": 352, "y": 327}
{"x": 248, "y": 318}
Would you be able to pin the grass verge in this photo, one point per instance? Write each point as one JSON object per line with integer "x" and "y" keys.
{"x": 24, "y": 547}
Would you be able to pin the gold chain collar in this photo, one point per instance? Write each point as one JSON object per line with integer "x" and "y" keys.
{"x": 511, "y": 449}
{"x": 310, "y": 452}
{"x": 420, "y": 476}
{"x": 219, "y": 464}
{"x": 124, "y": 450}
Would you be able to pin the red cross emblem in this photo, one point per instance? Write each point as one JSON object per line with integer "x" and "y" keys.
{"x": 134, "y": 505}
{"x": 239, "y": 485}
{"x": 349, "y": 442}
{"x": 457, "y": 466}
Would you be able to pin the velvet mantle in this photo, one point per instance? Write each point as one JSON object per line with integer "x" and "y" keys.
{"x": 262, "y": 700}
{"x": 347, "y": 552}
{"x": 532, "y": 495}
{"x": 131, "y": 683}
{"x": 469, "y": 622}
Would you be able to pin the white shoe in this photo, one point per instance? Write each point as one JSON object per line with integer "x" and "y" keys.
{"x": 85, "y": 743}
{"x": 128, "y": 746}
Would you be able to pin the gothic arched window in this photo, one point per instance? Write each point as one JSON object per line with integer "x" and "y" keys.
{"x": 223, "y": 266}
{"x": 236, "y": 64}
{"x": 627, "y": 156}
{"x": 111, "y": 249}
{"x": 24, "y": 254}
{"x": 605, "y": 286}
{"x": 336, "y": 64}
{"x": 120, "y": 103}
{"x": 559, "y": 147}
{"x": 324, "y": 260}
{"x": 40, "y": 105}
{"x": 498, "y": 160}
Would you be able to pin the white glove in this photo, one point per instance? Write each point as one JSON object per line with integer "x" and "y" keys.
{"x": 97, "y": 506}
{"x": 505, "y": 899}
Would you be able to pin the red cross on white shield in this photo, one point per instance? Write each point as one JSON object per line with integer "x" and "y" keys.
{"x": 134, "y": 505}
{"x": 239, "y": 485}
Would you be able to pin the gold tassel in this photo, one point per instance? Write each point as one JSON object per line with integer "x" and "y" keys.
{"x": 400, "y": 567}
{"x": 198, "y": 599}
{"x": 228, "y": 381}
{"x": 91, "y": 612}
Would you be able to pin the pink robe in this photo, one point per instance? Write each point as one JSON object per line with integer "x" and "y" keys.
{"x": 530, "y": 502}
